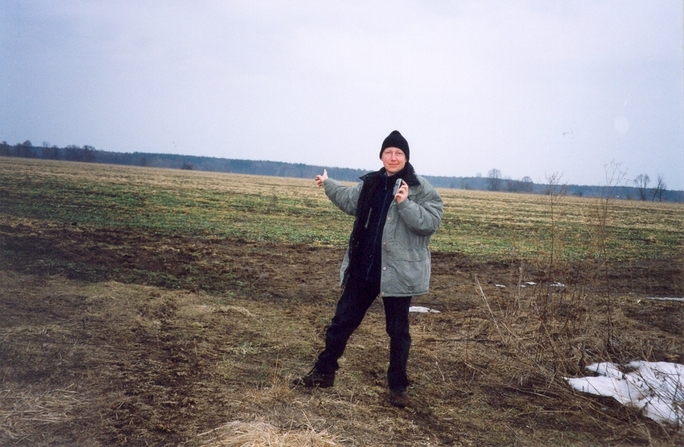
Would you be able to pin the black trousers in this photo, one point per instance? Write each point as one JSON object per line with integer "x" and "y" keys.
{"x": 351, "y": 308}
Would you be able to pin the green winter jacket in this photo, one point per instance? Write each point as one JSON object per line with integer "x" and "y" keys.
{"x": 405, "y": 237}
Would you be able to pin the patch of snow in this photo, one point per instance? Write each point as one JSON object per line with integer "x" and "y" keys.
{"x": 557, "y": 284}
{"x": 500, "y": 285}
{"x": 422, "y": 309}
{"x": 664, "y": 298}
{"x": 655, "y": 388}
{"x": 530, "y": 283}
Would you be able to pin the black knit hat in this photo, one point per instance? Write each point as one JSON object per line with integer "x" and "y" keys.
{"x": 395, "y": 139}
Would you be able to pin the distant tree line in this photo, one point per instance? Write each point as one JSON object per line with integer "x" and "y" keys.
{"x": 88, "y": 154}
{"x": 495, "y": 180}
{"x": 641, "y": 183}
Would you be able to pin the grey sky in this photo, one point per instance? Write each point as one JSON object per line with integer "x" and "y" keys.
{"x": 531, "y": 88}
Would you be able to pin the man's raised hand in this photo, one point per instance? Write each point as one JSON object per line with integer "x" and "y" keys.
{"x": 321, "y": 178}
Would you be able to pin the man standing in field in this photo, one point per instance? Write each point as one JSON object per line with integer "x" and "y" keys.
{"x": 388, "y": 255}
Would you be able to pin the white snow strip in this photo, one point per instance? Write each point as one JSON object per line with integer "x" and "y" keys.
{"x": 656, "y": 388}
{"x": 664, "y": 298}
{"x": 422, "y": 309}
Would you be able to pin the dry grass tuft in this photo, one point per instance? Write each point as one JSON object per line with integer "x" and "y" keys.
{"x": 22, "y": 410}
{"x": 262, "y": 434}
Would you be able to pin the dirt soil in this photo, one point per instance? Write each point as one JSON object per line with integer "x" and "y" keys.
{"x": 113, "y": 338}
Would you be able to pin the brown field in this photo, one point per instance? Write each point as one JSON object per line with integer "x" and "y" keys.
{"x": 162, "y": 307}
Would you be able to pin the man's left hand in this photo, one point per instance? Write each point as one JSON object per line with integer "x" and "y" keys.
{"x": 402, "y": 193}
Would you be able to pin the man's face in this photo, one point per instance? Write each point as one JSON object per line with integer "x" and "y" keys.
{"x": 393, "y": 159}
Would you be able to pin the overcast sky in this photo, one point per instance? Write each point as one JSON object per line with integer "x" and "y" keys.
{"x": 531, "y": 88}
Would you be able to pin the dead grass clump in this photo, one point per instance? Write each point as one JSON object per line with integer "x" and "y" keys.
{"x": 546, "y": 333}
{"x": 23, "y": 410}
{"x": 262, "y": 434}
